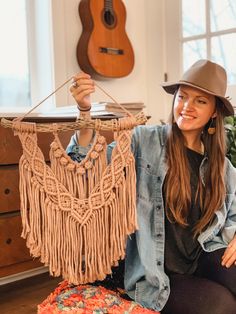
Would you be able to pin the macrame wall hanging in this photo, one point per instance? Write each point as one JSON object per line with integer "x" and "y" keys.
{"x": 76, "y": 216}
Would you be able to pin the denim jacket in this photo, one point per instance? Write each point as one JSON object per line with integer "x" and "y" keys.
{"x": 145, "y": 278}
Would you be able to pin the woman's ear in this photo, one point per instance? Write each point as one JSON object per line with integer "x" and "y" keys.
{"x": 214, "y": 115}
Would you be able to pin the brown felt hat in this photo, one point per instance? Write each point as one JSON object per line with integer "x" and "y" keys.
{"x": 207, "y": 76}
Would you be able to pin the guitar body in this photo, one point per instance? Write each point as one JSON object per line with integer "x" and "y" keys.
{"x": 104, "y": 49}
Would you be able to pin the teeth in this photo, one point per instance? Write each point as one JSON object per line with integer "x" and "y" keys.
{"x": 187, "y": 117}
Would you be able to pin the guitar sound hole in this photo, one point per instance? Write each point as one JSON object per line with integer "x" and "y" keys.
{"x": 109, "y": 18}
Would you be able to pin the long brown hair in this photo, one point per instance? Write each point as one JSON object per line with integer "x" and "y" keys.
{"x": 210, "y": 192}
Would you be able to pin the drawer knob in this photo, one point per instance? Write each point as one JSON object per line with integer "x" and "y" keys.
{"x": 7, "y": 191}
{"x": 8, "y": 241}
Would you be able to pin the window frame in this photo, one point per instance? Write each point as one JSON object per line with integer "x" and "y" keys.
{"x": 175, "y": 41}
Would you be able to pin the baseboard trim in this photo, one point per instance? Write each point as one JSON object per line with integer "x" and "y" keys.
{"x": 23, "y": 275}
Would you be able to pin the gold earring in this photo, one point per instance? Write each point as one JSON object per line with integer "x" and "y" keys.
{"x": 212, "y": 129}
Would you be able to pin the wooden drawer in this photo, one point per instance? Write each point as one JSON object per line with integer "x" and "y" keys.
{"x": 12, "y": 247}
{"x": 9, "y": 188}
{"x": 11, "y": 150}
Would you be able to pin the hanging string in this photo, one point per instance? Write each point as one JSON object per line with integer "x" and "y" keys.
{"x": 42, "y": 101}
{"x": 20, "y": 118}
{"x": 122, "y": 107}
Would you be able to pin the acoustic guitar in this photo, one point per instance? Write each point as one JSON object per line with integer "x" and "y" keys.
{"x": 104, "y": 49}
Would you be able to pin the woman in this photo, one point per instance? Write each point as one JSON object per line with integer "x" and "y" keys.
{"x": 183, "y": 257}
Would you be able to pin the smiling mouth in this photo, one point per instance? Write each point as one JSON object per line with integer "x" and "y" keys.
{"x": 187, "y": 117}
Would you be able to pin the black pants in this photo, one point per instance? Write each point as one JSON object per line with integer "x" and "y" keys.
{"x": 210, "y": 290}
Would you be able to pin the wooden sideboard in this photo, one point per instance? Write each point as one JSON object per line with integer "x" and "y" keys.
{"x": 14, "y": 255}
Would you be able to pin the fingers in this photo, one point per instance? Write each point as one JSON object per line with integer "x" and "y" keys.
{"x": 82, "y": 86}
{"x": 81, "y": 79}
{"x": 229, "y": 257}
{"x": 81, "y": 91}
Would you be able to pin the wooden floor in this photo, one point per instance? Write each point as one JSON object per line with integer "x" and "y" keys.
{"x": 22, "y": 297}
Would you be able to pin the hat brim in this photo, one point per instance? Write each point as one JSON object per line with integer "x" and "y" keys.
{"x": 171, "y": 88}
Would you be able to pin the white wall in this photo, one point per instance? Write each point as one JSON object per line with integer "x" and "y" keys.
{"x": 144, "y": 27}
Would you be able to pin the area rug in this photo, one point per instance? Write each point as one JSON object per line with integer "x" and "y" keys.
{"x": 89, "y": 299}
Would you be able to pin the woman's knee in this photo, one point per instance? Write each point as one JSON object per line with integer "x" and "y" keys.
{"x": 210, "y": 268}
{"x": 223, "y": 303}
{"x": 195, "y": 295}
{"x": 215, "y": 298}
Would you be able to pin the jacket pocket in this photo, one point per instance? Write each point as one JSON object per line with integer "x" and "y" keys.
{"x": 147, "y": 180}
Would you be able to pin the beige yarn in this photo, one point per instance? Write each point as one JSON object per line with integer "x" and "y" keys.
{"x": 76, "y": 216}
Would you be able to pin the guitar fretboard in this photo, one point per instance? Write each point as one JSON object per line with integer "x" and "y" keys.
{"x": 108, "y": 5}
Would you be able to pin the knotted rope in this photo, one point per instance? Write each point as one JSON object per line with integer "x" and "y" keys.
{"x": 76, "y": 216}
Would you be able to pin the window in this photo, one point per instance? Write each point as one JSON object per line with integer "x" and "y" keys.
{"x": 209, "y": 31}
{"x": 27, "y": 72}
{"x": 14, "y": 61}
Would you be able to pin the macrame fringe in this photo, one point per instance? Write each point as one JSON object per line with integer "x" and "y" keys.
{"x": 77, "y": 221}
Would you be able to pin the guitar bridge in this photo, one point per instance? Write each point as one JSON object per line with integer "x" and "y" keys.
{"x": 111, "y": 51}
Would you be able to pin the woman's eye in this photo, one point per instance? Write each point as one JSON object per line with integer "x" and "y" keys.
{"x": 201, "y": 101}
{"x": 181, "y": 97}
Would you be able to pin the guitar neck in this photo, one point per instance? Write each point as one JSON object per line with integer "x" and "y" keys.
{"x": 108, "y": 5}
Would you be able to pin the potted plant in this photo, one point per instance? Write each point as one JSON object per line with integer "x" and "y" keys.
{"x": 230, "y": 127}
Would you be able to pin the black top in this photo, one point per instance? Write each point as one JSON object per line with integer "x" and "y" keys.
{"x": 181, "y": 249}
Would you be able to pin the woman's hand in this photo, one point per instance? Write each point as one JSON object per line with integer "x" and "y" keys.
{"x": 81, "y": 89}
{"x": 229, "y": 257}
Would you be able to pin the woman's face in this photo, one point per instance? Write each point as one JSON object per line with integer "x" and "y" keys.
{"x": 193, "y": 108}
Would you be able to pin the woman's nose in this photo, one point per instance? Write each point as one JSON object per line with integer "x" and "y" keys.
{"x": 188, "y": 104}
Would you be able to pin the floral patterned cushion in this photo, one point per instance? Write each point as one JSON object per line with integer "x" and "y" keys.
{"x": 86, "y": 299}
